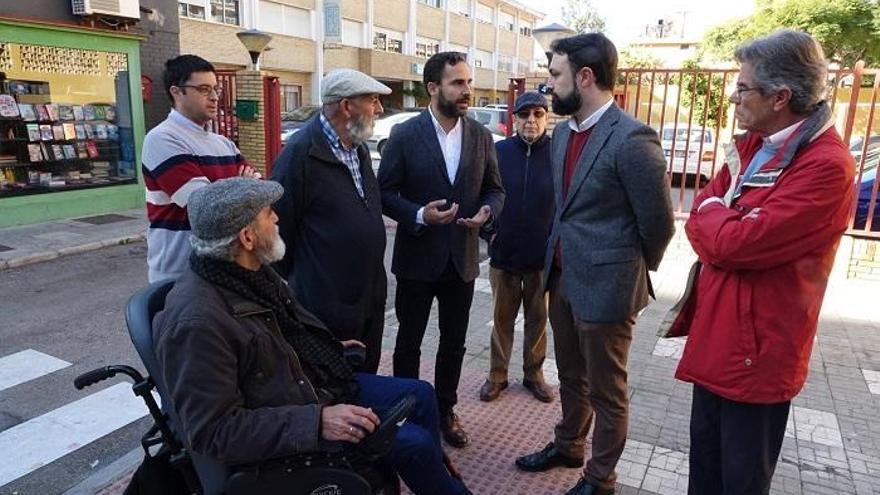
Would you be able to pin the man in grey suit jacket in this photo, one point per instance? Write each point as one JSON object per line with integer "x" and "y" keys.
{"x": 439, "y": 180}
{"x": 612, "y": 225}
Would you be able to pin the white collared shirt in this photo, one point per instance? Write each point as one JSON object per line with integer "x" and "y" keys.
{"x": 450, "y": 144}
{"x": 591, "y": 120}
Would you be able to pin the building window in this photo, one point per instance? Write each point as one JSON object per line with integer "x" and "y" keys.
{"x": 65, "y": 120}
{"x": 506, "y": 21}
{"x": 291, "y": 97}
{"x": 522, "y": 67}
{"x": 191, "y": 11}
{"x": 225, "y": 11}
{"x": 484, "y": 13}
{"x": 427, "y": 48}
{"x": 505, "y": 63}
{"x": 483, "y": 59}
{"x": 386, "y": 41}
{"x": 525, "y": 28}
{"x": 461, "y": 7}
{"x": 431, "y": 3}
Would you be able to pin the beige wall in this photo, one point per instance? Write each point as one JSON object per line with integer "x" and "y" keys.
{"x": 484, "y": 78}
{"x": 430, "y": 22}
{"x": 355, "y": 10}
{"x": 347, "y": 57}
{"x": 391, "y": 14}
{"x": 303, "y": 4}
{"x": 460, "y": 29}
{"x": 504, "y": 79}
{"x": 506, "y": 42}
{"x": 304, "y": 81}
{"x": 526, "y": 47}
{"x": 217, "y": 44}
{"x": 389, "y": 65}
{"x": 485, "y": 36}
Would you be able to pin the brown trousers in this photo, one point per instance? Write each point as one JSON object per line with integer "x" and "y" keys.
{"x": 591, "y": 359}
{"x": 509, "y": 291}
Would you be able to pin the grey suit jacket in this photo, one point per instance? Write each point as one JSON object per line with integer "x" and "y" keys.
{"x": 413, "y": 173}
{"x": 616, "y": 220}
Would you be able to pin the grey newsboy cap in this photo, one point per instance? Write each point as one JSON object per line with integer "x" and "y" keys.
{"x": 530, "y": 99}
{"x": 226, "y": 206}
{"x": 345, "y": 83}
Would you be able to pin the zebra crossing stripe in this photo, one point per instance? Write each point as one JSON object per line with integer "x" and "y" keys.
{"x": 44, "y": 439}
{"x": 27, "y": 365}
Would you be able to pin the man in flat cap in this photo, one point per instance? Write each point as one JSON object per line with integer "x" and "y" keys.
{"x": 440, "y": 182}
{"x": 331, "y": 213}
{"x": 516, "y": 248}
{"x": 252, "y": 374}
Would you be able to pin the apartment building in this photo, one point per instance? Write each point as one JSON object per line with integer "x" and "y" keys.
{"x": 388, "y": 39}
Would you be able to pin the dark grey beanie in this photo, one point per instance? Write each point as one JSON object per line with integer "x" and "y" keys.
{"x": 226, "y": 206}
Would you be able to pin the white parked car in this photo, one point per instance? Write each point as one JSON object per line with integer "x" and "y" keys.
{"x": 382, "y": 130}
{"x": 687, "y": 145}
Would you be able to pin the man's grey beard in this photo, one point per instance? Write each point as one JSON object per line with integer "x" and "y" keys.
{"x": 359, "y": 130}
{"x": 273, "y": 252}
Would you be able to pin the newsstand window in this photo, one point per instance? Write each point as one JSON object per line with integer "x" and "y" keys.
{"x": 65, "y": 119}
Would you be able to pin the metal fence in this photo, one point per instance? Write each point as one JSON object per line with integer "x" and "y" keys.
{"x": 691, "y": 113}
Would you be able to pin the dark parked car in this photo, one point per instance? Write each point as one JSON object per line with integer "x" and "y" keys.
{"x": 293, "y": 120}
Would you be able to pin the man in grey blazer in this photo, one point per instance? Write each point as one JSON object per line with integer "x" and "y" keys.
{"x": 439, "y": 180}
{"x": 613, "y": 222}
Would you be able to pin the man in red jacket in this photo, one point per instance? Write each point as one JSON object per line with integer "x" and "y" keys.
{"x": 766, "y": 234}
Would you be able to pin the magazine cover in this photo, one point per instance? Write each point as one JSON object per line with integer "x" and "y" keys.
{"x": 34, "y": 153}
{"x": 46, "y": 132}
{"x": 65, "y": 112}
{"x": 27, "y": 112}
{"x": 58, "y": 132}
{"x": 8, "y": 107}
{"x": 42, "y": 113}
{"x": 33, "y": 131}
{"x": 69, "y": 131}
{"x": 78, "y": 112}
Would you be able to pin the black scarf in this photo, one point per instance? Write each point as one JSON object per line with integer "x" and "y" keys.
{"x": 318, "y": 350}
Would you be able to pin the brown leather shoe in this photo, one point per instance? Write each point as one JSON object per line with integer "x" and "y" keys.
{"x": 451, "y": 429}
{"x": 539, "y": 389}
{"x": 491, "y": 390}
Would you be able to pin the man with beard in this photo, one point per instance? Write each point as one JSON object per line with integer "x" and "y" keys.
{"x": 331, "y": 213}
{"x": 612, "y": 224}
{"x": 252, "y": 375}
{"x": 440, "y": 182}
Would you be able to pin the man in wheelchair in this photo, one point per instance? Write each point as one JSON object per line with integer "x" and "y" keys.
{"x": 252, "y": 375}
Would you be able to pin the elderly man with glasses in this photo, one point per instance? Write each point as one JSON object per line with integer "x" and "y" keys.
{"x": 516, "y": 248}
{"x": 181, "y": 155}
{"x": 766, "y": 234}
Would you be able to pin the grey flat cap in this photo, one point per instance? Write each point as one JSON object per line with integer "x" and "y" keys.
{"x": 530, "y": 99}
{"x": 223, "y": 208}
{"x": 345, "y": 83}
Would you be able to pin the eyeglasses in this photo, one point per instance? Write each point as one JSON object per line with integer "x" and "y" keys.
{"x": 204, "y": 89}
{"x": 744, "y": 89}
{"x": 525, "y": 114}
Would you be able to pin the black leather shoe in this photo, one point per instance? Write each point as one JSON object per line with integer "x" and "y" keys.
{"x": 584, "y": 488}
{"x": 491, "y": 390}
{"x": 451, "y": 429}
{"x": 540, "y": 390}
{"x": 547, "y": 458}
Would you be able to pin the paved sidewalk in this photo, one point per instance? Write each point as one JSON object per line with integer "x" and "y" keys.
{"x": 832, "y": 445}
{"x": 20, "y": 246}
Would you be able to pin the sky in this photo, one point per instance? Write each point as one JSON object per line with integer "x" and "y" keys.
{"x": 626, "y": 19}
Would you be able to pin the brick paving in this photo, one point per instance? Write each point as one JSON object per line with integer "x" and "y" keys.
{"x": 832, "y": 443}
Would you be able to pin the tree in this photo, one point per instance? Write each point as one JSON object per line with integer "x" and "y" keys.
{"x": 849, "y": 30}
{"x": 694, "y": 87}
{"x": 581, "y": 16}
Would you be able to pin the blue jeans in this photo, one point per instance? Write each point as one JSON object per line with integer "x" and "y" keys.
{"x": 416, "y": 454}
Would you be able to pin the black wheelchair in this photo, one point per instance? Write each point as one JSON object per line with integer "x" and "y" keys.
{"x": 334, "y": 472}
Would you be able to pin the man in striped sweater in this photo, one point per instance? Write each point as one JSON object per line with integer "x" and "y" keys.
{"x": 180, "y": 156}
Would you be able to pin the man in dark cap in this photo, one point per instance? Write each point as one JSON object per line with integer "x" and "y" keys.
{"x": 252, "y": 375}
{"x": 516, "y": 248}
{"x": 331, "y": 213}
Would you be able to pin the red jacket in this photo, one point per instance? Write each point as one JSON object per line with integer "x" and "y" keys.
{"x": 757, "y": 299}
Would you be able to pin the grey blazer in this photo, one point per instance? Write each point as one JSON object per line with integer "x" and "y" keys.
{"x": 413, "y": 173}
{"x": 616, "y": 221}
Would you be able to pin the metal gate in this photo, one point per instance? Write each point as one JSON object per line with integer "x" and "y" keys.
{"x": 690, "y": 111}
{"x": 272, "y": 119}
{"x": 226, "y": 123}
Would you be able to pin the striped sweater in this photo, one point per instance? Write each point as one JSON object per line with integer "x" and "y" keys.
{"x": 179, "y": 157}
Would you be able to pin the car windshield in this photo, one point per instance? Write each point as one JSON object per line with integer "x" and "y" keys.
{"x": 681, "y": 134}
{"x": 301, "y": 114}
{"x": 482, "y": 117}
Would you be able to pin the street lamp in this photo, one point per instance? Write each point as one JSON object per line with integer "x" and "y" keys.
{"x": 254, "y": 42}
{"x": 548, "y": 34}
